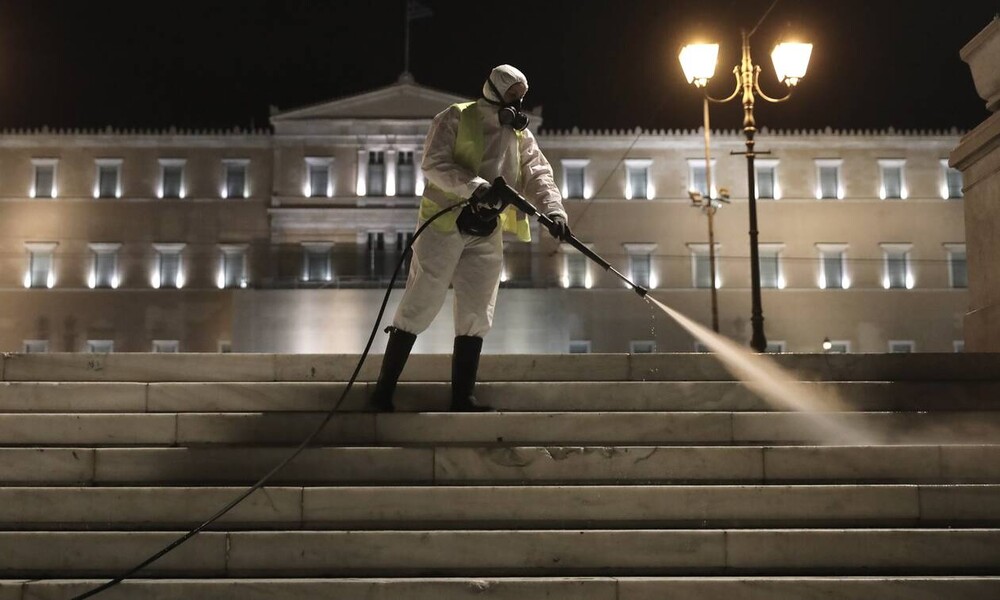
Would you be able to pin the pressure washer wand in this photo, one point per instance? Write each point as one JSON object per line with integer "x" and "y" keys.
{"x": 512, "y": 197}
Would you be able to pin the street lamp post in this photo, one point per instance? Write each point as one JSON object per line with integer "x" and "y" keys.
{"x": 710, "y": 205}
{"x": 790, "y": 62}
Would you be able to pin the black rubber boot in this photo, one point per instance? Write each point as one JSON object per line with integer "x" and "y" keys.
{"x": 397, "y": 350}
{"x": 464, "y": 365}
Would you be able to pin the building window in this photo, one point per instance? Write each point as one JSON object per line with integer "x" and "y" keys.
{"x": 376, "y": 256}
{"x": 640, "y": 264}
{"x": 775, "y": 347}
{"x": 168, "y": 273}
{"x": 898, "y": 273}
{"x": 833, "y": 267}
{"x": 697, "y": 177}
{"x": 769, "y": 256}
{"x": 575, "y": 269}
{"x": 701, "y": 266}
{"x": 700, "y": 348}
{"x": 35, "y": 346}
{"x": 44, "y": 182}
{"x": 901, "y": 346}
{"x": 637, "y": 184}
{"x": 579, "y": 347}
{"x": 100, "y": 346}
{"x": 40, "y": 273}
{"x": 225, "y": 346}
{"x": 236, "y": 178}
{"x": 232, "y": 266}
{"x": 320, "y": 182}
{"x": 104, "y": 269}
{"x": 958, "y": 276}
{"x": 406, "y": 174}
{"x": 172, "y": 178}
{"x": 376, "y": 173}
{"x": 892, "y": 185}
{"x": 958, "y": 345}
{"x": 839, "y": 347}
{"x": 575, "y": 178}
{"x": 767, "y": 179}
{"x": 109, "y": 178}
{"x": 161, "y": 346}
{"x": 403, "y": 240}
{"x": 642, "y": 346}
{"x": 829, "y": 186}
{"x": 952, "y": 182}
{"x": 316, "y": 261}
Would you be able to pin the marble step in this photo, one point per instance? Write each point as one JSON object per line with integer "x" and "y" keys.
{"x": 579, "y": 396}
{"x": 509, "y": 552}
{"x": 494, "y": 367}
{"x": 493, "y": 507}
{"x": 521, "y": 588}
{"x": 505, "y": 465}
{"x": 500, "y": 428}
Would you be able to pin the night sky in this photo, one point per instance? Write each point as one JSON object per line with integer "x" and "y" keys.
{"x": 590, "y": 63}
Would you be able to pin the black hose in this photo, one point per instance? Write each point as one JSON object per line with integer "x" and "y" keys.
{"x": 302, "y": 446}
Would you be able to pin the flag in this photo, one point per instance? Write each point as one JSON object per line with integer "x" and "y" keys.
{"x": 417, "y": 10}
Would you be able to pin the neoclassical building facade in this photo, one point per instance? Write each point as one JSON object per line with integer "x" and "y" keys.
{"x": 282, "y": 240}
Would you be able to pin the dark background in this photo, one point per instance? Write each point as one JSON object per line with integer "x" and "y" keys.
{"x": 591, "y": 63}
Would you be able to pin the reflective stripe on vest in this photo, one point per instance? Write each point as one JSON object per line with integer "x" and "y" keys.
{"x": 469, "y": 149}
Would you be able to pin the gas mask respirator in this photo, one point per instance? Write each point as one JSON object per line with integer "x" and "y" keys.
{"x": 510, "y": 114}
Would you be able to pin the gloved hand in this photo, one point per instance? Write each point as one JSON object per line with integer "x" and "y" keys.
{"x": 485, "y": 204}
{"x": 560, "y": 228}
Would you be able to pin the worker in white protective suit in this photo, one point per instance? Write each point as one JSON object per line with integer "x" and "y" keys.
{"x": 468, "y": 146}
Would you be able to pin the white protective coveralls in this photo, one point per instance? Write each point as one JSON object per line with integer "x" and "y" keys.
{"x": 471, "y": 263}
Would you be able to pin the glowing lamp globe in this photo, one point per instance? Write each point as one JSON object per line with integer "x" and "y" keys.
{"x": 698, "y": 62}
{"x": 791, "y": 59}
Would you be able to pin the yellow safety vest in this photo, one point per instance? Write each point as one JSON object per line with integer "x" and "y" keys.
{"x": 469, "y": 149}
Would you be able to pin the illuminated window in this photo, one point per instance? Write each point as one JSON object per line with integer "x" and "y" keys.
{"x": 958, "y": 345}
{"x": 896, "y": 263}
{"x": 701, "y": 266}
{"x": 642, "y": 346}
{"x": 166, "y": 346}
{"x": 952, "y": 188}
{"x": 316, "y": 261}
{"x": 44, "y": 182}
{"x": 41, "y": 273}
{"x": 168, "y": 273}
{"x": 378, "y": 268}
{"x": 892, "y": 185}
{"x": 376, "y": 173}
{"x": 100, "y": 346}
{"x": 576, "y": 270}
{"x": 775, "y": 347}
{"x": 769, "y": 256}
{"x": 574, "y": 178}
{"x": 172, "y": 178}
{"x": 320, "y": 181}
{"x": 902, "y": 346}
{"x": 640, "y": 264}
{"x": 958, "y": 276}
{"x": 767, "y": 179}
{"x": 697, "y": 177}
{"x": 637, "y": 185}
{"x": 403, "y": 239}
{"x": 833, "y": 266}
{"x": 839, "y": 347}
{"x": 233, "y": 266}
{"x": 828, "y": 176}
{"x": 579, "y": 347}
{"x": 406, "y": 174}
{"x": 236, "y": 178}
{"x": 35, "y": 346}
{"x": 225, "y": 346}
{"x": 104, "y": 269}
{"x": 109, "y": 178}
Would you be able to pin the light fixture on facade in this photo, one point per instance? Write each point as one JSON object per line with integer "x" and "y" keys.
{"x": 827, "y": 344}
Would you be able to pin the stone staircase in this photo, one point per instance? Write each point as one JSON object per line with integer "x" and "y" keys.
{"x": 605, "y": 477}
